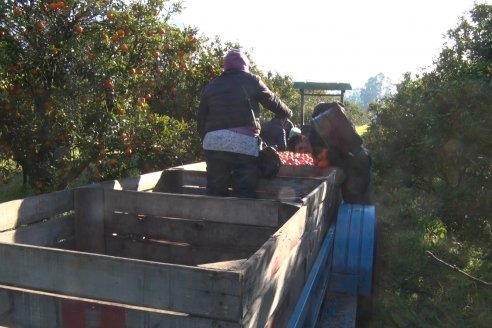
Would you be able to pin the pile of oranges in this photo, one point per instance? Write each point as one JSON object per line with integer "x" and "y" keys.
{"x": 322, "y": 159}
{"x": 291, "y": 158}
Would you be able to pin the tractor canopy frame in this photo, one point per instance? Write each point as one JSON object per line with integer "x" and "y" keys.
{"x": 325, "y": 86}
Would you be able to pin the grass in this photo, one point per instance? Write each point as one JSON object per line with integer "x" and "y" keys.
{"x": 411, "y": 289}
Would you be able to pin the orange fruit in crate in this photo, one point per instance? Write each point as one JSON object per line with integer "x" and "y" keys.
{"x": 323, "y": 164}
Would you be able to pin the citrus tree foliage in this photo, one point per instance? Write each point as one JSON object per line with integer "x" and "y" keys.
{"x": 435, "y": 133}
{"x": 281, "y": 85}
{"x": 105, "y": 86}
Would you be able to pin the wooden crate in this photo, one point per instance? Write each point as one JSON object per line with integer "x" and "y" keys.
{"x": 125, "y": 253}
{"x": 300, "y": 171}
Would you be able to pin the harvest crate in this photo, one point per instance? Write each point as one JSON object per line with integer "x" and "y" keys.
{"x": 147, "y": 252}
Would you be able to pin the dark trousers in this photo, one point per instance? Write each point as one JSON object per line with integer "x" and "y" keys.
{"x": 355, "y": 188}
{"x": 226, "y": 169}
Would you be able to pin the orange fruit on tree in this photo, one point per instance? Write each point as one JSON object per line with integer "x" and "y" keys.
{"x": 110, "y": 15}
{"x": 109, "y": 84}
{"x": 17, "y": 11}
{"x": 124, "y": 47}
{"x": 40, "y": 25}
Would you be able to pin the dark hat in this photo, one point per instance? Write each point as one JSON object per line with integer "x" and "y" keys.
{"x": 235, "y": 59}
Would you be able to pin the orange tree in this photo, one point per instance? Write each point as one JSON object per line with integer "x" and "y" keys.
{"x": 434, "y": 134}
{"x": 106, "y": 87}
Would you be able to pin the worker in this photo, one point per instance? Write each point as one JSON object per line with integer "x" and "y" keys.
{"x": 288, "y": 126}
{"x": 333, "y": 135}
{"x": 273, "y": 133}
{"x": 229, "y": 126}
{"x": 299, "y": 143}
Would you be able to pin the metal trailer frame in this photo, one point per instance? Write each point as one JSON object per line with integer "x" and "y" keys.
{"x": 342, "y": 273}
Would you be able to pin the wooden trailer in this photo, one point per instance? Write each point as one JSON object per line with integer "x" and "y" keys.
{"x": 154, "y": 251}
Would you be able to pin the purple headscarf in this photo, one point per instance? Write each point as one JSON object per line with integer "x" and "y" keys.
{"x": 236, "y": 60}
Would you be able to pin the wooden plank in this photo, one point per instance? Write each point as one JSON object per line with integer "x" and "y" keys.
{"x": 173, "y": 253}
{"x": 233, "y": 265}
{"x": 216, "y": 209}
{"x": 299, "y": 171}
{"x": 198, "y": 166}
{"x": 20, "y": 310}
{"x": 186, "y": 181}
{"x": 290, "y": 255}
{"x": 139, "y": 183}
{"x": 260, "y": 272}
{"x": 198, "y": 291}
{"x": 174, "y": 179}
{"x": 32, "y": 209}
{"x": 193, "y": 232}
{"x": 89, "y": 219}
{"x": 170, "y": 181}
{"x": 21, "y": 307}
{"x": 46, "y": 233}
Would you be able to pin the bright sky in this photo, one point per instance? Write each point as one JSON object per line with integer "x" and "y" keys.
{"x": 331, "y": 41}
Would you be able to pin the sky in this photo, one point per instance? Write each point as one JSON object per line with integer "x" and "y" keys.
{"x": 331, "y": 41}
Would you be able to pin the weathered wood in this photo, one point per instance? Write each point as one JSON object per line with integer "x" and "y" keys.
{"x": 139, "y": 183}
{"x": 226, "y": 265}
{"x": 173, "y": 180}
{"x": 33, "y": 209}
{"x": 21, "y": 307}
{"x": 194, "y": 182}
{"x": 194, "y": 232}
{"x": 299, "y": 171}
{"x": 89, "y": 219}
{"x": 46, "y": 233}
{"x": 233, "y": 265}
{"x": 198, "y": 291}
{"x": 217, "y": 209}
{"x": 168, "y": 252}
{"x": 275, "y": 277}
{"x": 260, "y": 271}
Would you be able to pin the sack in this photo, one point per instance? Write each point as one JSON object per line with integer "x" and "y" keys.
{"x": 268, "y": 162}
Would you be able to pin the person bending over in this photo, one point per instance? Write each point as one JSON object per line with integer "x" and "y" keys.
{"x": 333, "y": 134}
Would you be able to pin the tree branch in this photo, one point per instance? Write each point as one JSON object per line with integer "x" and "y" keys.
{"x": 455, "y": 268}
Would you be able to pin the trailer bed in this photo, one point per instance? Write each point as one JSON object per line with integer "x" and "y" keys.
{"x": 154, "y": 251}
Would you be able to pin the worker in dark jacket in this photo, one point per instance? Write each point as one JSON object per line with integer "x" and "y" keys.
{"x": 229, "y": 125}
{"x": 273, "y": 133}
{"x": 333, "y": 135}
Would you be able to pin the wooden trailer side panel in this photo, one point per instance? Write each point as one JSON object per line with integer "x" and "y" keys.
{"x": 34, "y": 309}
{"x": 216, "y": 209}
{"x": 33, "y": 209}
{"x": 57, "y": 232}
{"x": 142, "y": 182}
{"x": 275, "y": 275}
{"x": 194, "y": 182}
{"x": 197, "y": 232}
{"x": 214, "y": 294}
{"x": 181, "y": 241}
